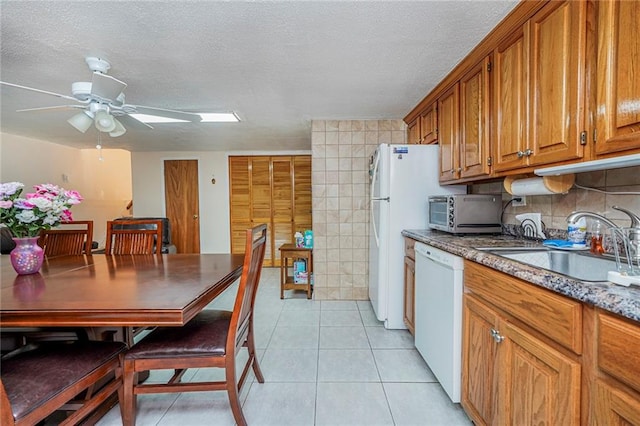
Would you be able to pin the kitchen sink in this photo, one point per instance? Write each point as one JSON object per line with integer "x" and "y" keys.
{"x": 579, "y": 265}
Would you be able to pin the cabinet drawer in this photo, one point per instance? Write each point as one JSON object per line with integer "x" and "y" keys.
{"x": 618, "y": 343}
{"x": 409, "y": 251}
{"x": 555, "y": 316}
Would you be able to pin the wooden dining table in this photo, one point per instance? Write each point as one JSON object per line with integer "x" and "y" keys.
{"x": 115, "y": 290}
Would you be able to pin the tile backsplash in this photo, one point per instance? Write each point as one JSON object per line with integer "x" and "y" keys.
{"x": 593, "y": 191}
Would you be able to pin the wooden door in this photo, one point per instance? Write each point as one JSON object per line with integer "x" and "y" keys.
{"x": 260, "y": 189}
{"x": 479, "y": 386}
{"x": 474, "y": 121}
{"x": 282, "y": 203}
{"x": 182, "y": 204}
{"x": 275, "y": 190}
{"x": 557, "y": 82}
{"x": 509, "y": 135}
{"x": 302, "y": 208}
{"x": 239, "y": 201}
{"x": 539, "y": 385}
{"x": 448, "y": 131}
{"x": 618, "y": 81}
{"x": 429, "y": 124}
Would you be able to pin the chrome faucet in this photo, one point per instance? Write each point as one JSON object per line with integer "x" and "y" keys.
{"x": 635, "y": 219}
{"x": 633, "y": 237}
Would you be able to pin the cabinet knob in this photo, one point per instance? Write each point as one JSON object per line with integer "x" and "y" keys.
{"x": 195, "y": 216}
{"x": 520, "y": 154}
{"x": 496, "y": 335}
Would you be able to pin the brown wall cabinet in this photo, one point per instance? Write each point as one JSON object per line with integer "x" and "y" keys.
{"x": 618, "y": 76}
{"x": 564, "y": 89}
{"x": 463, "y": 126}
{"x": 539, "y": 98}
{"x": 275, "y": 190}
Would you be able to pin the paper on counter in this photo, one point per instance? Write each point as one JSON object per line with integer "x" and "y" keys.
{"x": 532, "y": 224}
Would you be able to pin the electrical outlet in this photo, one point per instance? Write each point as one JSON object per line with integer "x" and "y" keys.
{"x": 519, "y": 203}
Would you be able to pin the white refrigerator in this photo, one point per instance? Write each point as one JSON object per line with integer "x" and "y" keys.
{"x": 401, "y": 177}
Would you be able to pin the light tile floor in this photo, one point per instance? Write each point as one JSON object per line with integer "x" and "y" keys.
{"x": 324, "y": 363}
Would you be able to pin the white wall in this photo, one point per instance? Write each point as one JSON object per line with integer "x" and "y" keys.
{"x": 105, "y": 185}
{"x": 148, "y": 190}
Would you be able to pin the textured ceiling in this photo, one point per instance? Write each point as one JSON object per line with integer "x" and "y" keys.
{"x": 277, "y": 64}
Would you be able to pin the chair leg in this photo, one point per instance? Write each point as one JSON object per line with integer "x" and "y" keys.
{"x": 251, "y": 347}
{"x": 128, "y": 403}
{"x": 233, "y": 392}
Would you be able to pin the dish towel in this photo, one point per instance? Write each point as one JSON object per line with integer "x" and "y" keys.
{"x": 532, "y": 225}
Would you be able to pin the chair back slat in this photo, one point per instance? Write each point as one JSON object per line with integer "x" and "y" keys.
{"x": 134, "y": 236}
{"x": 247, "y": 290}
{"x": 62, "y": 241}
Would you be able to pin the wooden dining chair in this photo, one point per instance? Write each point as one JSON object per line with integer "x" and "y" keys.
{"x": 74, "y": 237}
{"x": 211, "y": 339}
{"x": 36, "y": 382}
{"x": 135, "y": 236}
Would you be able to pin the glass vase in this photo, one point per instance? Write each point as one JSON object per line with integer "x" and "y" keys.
{"x": 27, "y": 256}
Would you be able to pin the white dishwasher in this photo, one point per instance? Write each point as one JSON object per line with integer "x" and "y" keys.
{"x": 438, "y": 314}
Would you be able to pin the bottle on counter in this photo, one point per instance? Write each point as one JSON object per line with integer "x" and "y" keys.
{"x": 597, "y": 234}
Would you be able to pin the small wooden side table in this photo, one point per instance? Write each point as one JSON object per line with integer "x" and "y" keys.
{"x": 288, "y": 254}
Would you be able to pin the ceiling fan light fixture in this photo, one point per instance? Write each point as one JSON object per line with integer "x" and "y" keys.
{"x": 118, "y": 131}
{"x": 104, "y": 122}
{"x": 81, "y": 121}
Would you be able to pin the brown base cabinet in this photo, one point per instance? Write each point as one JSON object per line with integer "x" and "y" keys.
{"x": 616, "y": 394}
{"x": 516, "y": 368}
{"x": 532, "y": 356}
{"x": 409, "y": 283}
{"x": 512, "y": 377}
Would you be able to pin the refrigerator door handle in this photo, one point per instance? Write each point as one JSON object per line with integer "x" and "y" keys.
{"x": 373, "y": 223}
{"x": 374, "y": 177}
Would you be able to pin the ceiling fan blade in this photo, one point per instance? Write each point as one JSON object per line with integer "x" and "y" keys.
{"x": 51, "y": 108}
{"x": 129, "y": 121}
{"x": 39, "y": 91}
{"x": 106, "y": 87}
{"x": 171, "y": 113}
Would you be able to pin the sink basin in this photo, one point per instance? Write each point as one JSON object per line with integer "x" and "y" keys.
{"x": 578, "y": 265}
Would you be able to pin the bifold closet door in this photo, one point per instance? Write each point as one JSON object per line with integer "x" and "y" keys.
{"x": 275, "y": 190}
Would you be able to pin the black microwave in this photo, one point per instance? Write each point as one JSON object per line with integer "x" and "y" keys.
{"x": 466, "y": 213}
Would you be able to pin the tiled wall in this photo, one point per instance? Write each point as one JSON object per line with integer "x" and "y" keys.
{"x": 340, "y": 170}
{"x": 555, "y": 208}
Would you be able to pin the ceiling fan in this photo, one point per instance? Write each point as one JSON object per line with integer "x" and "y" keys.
{"x": 101, "y": 101}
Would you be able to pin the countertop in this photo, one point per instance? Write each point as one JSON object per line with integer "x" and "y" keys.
{"x": 621, "y": 300}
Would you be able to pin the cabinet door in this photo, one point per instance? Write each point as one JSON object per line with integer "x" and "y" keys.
{"x": 409, "y": 293}
{"x": 413, "y": 132}
{"x": 618, "y": 109}
{"x": 478, "y": 361}
{"x": 557, "y": 82}
{"x": 474, "y": 121}
{"x": 539, "y": 385}
{"x": 429, "y": 125}
{"x": 509, "y": 139}
{"x": 614, "y": 407}
{"x": 448, "y": 132}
